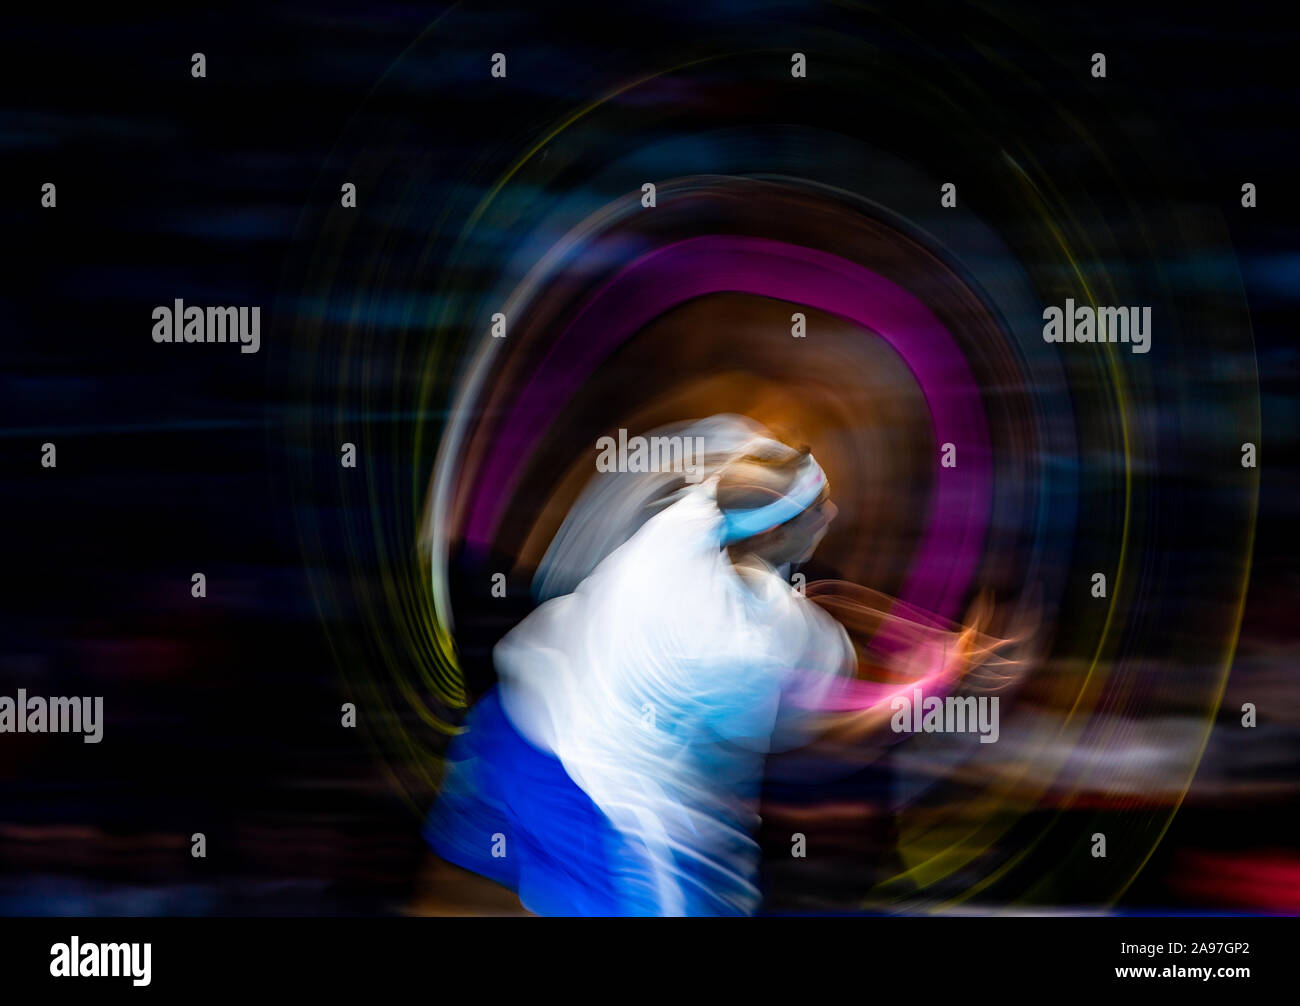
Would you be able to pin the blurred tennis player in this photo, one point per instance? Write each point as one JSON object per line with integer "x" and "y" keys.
{"x": 615, "y": 769}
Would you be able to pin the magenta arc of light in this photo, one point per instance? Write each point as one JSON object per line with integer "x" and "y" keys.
{"x": 660, "y": 280}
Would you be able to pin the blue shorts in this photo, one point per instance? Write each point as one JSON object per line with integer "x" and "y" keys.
{"x": 509, "y": 811}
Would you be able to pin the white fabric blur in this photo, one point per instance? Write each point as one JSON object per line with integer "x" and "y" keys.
{"x": 657, "y": 683}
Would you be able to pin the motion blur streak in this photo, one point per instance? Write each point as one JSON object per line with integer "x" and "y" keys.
{"x": 1075, "y": 516}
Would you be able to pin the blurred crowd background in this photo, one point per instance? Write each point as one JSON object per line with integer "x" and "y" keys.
{"x": 774, "y": 194}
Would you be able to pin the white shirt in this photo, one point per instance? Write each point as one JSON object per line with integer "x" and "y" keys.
{"x": 657, "y": 684}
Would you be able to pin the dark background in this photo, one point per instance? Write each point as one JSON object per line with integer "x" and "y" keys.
{"x": 222, "y": 714}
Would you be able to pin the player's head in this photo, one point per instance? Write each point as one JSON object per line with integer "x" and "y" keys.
{"x": 775, "y": 503}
